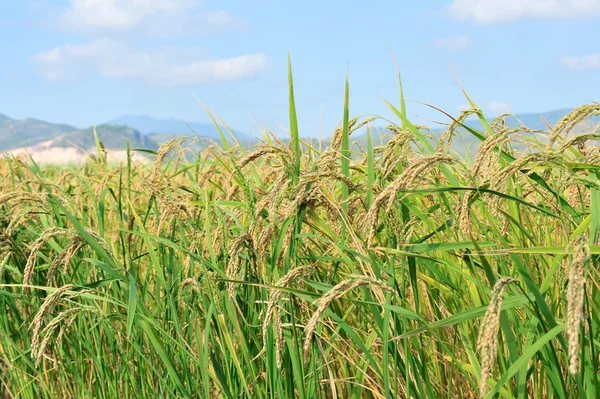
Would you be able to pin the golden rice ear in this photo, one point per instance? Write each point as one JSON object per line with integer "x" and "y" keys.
{"x": 572, "y": 119}
{"x": 49, "y": 303}
{"x": 579, "y": 140}
{"x": 575, "y": 299}
{"x": 163, "y": 151}
{"x": 338, "y": 291}
{"x": 485, "y": 152}
{"x": 336, "y": 140}
{"x": 37, "y": 246}
{"x": 64, "y": 258}
{"x": 274, "y": 313}
{"x": 466, "y": 230}
{"x": 4, "y": 261}
{"x": 487, "y": 343}
{"x": 445, "y": 140}
{"x": 501, "y": 177}
{"x": 235, "y": 261}
{"x": 396, "y": 151}
{"x": 403, "y": 182}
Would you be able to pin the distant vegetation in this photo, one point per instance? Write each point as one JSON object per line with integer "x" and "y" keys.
{"x": 282, "y": 271}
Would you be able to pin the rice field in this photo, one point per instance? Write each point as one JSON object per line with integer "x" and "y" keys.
{"x": 291, "y": 270}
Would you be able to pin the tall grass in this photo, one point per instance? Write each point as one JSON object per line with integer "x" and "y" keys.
{"x": 403, "y": 271}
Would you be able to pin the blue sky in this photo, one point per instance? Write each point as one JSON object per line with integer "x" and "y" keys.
{"x": 88, "y": 61}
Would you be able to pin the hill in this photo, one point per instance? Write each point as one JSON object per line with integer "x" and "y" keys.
{"x": 112, "y": 136}
{"x": 172, "y": 128}
{"x": 59, "y": 143}
{"x": 15, "y": 133}
{"x": 464, "y": 142}
{"x": 147, "y": 132}
{"x": 533, "y": 120}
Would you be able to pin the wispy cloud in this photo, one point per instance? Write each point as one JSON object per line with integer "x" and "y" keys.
{"x": 582, "y": 63}
{"x": 198, "y": 23}
{"x": 165, "y": 67}
{"x": 162, "y": 17}
{"x": 498, "y": 107}
{"x": 498, "y": 11}
{"x": 455, "y": 43}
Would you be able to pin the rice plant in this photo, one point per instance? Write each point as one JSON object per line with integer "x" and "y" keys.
{"x": 291, "y": 270}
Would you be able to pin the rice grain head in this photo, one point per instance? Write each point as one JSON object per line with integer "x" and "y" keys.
{"x": 575, "y": 299}
{"x": 465, "y": 216}
{"x": 65, "y": 257}
{"x": 37, "y": 246}
{"x": 49, "y": 303}
{"x": 274, "y": 313}
{"x": 487, "y": 343}
{"x": 162, "y": 153}
{"x": 235, "y": 260}
{"x": 572, "y": 119}
{"x": 403, "y": 182}
{"x": 338, "y": 291}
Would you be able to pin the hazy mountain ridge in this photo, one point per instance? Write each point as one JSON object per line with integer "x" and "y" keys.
{"x": 172, "y": 128}
{"x": 532, "y": 120}
{"x": 15, "y": 133}
{"x": 111, "y": 136}
{"x": 33, "y": 135}
{"x": 65, "y": 144}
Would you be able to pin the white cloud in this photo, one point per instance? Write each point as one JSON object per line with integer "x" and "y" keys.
{"x": 455, "y": 43}
{"x": 165, "y": 67}
{"x": 498, "y": 107}
{"x": 156, "y": 16}
{"x": 497, "y": 11}
{"x": 582, "y": 63}
{"x": 206, "y": 22}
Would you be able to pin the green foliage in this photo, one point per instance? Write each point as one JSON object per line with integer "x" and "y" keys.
{"x": 289, "y": 271}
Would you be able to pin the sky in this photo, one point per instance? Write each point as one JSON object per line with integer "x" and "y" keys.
{"x": 85, "y": 62}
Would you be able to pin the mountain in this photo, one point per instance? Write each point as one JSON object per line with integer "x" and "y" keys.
{"x": 111, "y": 136}
{"x": 16, "y": 133}
{"x": 59, "y": 143}
{"x": 55, "y": 140}
{"x": 464, "y": 142}
{"x": 533, "y": 120}
{"x": 171, "y": 127}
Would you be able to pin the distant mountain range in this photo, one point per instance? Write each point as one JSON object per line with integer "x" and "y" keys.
{"x": 141, "y": 131}
{"x": 174, "y": 127}
{"x": 16, "y": 133}
{"x": 464, "y": 141}
{"x": 33, "y": 135}
{"x": 20, "y": 133}
{"x": 534, "y": 121}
